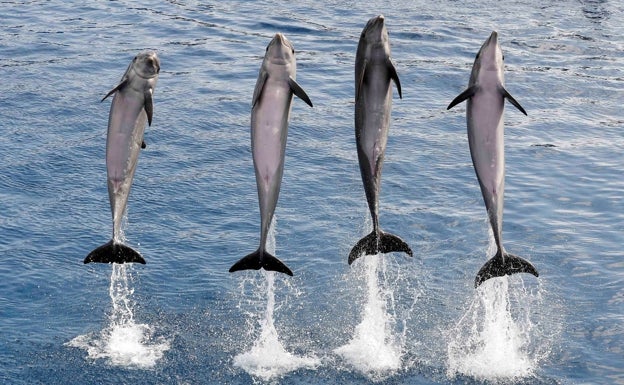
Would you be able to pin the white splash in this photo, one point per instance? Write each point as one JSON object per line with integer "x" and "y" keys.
{"x": 493, "y": 339}
{"x": 123, "y": 342}
{"x": 373, "y": 350}
{"x": 487, "y": 342}
{"x": 268, "y": 358}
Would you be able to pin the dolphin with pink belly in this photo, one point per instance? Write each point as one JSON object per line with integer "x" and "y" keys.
{"x": 271, "y": 105}
{"x": 485, "y": 98}
{"x": 131, "y": 109}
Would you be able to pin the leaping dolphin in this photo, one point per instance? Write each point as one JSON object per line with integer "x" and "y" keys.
{"x": 270, "y": 109}
{"x": 486, "y": 96}
{"x": 131, "y": 108}
{"x": 374, "y": 73}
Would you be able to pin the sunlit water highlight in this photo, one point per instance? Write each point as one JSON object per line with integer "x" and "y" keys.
{"x": 123, "y": 342}
{"x": 268, "y": 358}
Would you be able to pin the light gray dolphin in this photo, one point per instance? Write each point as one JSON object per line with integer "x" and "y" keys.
{"x": 374, "y": 73}
{"x": 131, "y": 108}
{"x": 270, "y": 109}
{"x": 486, "y": 96}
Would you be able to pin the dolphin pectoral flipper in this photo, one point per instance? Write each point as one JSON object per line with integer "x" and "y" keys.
{"x": 378, "y": 242}
{"x": 394, "y": 76}
{"x": 118, "y": 87}
{"x": 114, "y": 252}
{"x": 468, "y": 93}
{"x": 501, "y": 265}
{"x": 360, "y": 80}
{"x": 512, "y": 100}
{"x": 297, "y": 90}
{"x": 148, "y": 104}
{"x": 260, "y": 259}
{"x": 259, "y": 86}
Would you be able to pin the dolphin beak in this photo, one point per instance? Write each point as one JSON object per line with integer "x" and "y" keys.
{"x": 155, "y": 62}
{"x": 493, "y": 38}
{"x": 374, "y": 25}
{"x": 280, "y": 38}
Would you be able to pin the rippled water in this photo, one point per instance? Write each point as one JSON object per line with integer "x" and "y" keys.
{"x": 193, "y": 209}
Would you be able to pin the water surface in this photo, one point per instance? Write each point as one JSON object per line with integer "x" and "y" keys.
{"x": 193, "y": 208}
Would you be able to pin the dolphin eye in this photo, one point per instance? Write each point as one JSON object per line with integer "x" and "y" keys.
{"x": 293, "y": 51}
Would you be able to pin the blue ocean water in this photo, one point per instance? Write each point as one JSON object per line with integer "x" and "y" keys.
{"x": 183, "y": 319}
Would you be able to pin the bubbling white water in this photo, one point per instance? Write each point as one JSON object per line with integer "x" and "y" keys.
{"x": 495, "y": 339}
{"x": 373, "y": 349}
{"x": 123, "y": 342}
{"x": 488, "y": 342}
{"x": 268, "y": 358}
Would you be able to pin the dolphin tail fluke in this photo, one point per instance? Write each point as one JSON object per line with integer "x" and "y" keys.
{"x": 114, "y": 252}
{"x": 260, "y": 259}
{"x": 377, "y": 242}
{"x": 504, "y": 264}
{"x": 365, "y": 246}
{"x": 391, "y": 243}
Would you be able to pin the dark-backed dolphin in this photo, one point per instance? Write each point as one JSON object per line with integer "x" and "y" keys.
{"x": 486, "y": 96}
{"x": 131, "y": 108}
{"x": 374, "y": 74}
{"x": 270, "y": 109}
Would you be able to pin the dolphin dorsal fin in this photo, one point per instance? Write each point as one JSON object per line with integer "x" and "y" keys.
{"x": 512, "y": 100}
{"x": 148, "y": 104}
{"x": 259, "y": 86}
{"x": 394, "y": 76}
{"x": 118, "y": 87}
{"x": 468, "y": 93}
{"x": 297, "y": 90}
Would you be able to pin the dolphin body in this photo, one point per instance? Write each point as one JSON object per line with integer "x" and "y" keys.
{"x": 131, "y": 108}
{"x": 486, "y": 96}
{"x": 270, "y": 109}
{"x": 374, "y": 73}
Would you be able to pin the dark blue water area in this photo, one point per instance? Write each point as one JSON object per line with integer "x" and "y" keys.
{"x": 193, "y": 208}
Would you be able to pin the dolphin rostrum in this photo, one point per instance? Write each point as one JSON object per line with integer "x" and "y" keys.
{"x": 374, "y": 73}
{"x": 270, "y": 109}
{"x": 131, "y": 108}
{"x": 486, "y": 96}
